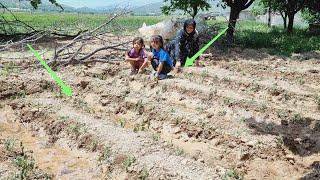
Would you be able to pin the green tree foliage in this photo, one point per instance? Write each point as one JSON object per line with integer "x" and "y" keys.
{"x": 236, "y": 7}
{"x": 274, "y": 6}
{"x": 35, "y": 3}
{"x": 191, "y": 7}
{"x": 288, "y": 9}
{"x": 311, "y": 11}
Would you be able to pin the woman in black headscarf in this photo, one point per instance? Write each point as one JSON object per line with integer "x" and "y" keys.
{"x": 185, "y": 44}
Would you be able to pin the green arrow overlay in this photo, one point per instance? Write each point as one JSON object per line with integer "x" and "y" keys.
{"x": 190, "y": 61}
{"x": 65, "y": 88}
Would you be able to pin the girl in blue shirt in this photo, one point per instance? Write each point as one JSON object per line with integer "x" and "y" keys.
{"x": 159, "y": 58}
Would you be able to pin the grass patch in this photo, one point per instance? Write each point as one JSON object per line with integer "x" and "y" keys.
{"x": 250, "y": 34}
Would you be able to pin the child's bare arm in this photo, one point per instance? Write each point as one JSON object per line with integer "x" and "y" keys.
{"x": 131, "y": 59}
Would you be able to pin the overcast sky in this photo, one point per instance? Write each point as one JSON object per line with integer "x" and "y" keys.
{"x": 101, "y": 3}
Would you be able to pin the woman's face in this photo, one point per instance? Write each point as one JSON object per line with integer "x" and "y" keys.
{"x": 155, "y": 44}
{"x": 189, "y": 29}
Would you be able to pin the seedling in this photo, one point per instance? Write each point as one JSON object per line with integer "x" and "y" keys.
{"x": 156, "y": 136}
{"x": 144, "y": 174}
{"x": 9, "y": 144}
{"x": 105, "y": 154}
{"x": 232, "y": 174}
{"x": 280, "y": 141}
{"x": 122, "y": 122}
{"x": 297, "y": 118}
{"x": 179, "y": 152}
{"x": 129, "y": 161}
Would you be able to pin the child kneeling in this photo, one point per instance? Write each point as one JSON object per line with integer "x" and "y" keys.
{"x": 159, "y": 58}
{"x": 137, "y": 56}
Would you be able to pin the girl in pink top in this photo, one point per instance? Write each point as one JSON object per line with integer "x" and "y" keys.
{"x": 137, "y": 56}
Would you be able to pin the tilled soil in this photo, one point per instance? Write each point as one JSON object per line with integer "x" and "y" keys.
{"x": 244, "y": 115}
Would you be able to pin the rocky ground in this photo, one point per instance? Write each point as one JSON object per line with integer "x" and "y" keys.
{"x": 246, "y": 114}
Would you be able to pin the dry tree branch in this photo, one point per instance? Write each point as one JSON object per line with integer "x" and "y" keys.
{"x": 75, "y": 47}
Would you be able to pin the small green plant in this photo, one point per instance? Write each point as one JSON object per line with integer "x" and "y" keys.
{"x": 317, "y": 100}
{"x": 228, "y": 101}
{"x": 279, "y": 141}
{"x": 283, "y": 115}
{"x": 269, "y": 127}
{"x": 8, "y": 69}
{"x": 77, "y": 129}
{"x": 9, "y": 144}
{"x": 232, "y": 174}
{"x": 173, "y": 110}
{"x": 262, "y": 108}
{"x": 25, "y": 165}
{"x": 275, "y": 90}
{"x": 156, "y": 136}
{"x": 204, "y": 74}
{"x": 129, "y": 161}
{"x": 177, "y": 120}
{"x": 243, "y": 119}
{"x": 297, "y": 118}
{"x": 222, "y": 113}
{"x": 122, "y": 122}
{"x": 80, "y": 103}
{"x": 179, "y": 152}
{"x": 93, "y": 145}
{"x": 19, "y": 94}
{"x": 143, "y": 174}
{"x": 212, "y": 93}
{"x": 183, "y": 90}
{"x": 64, "y": 118}
{"x": 256, "y": 88}
{"x": 301, "y": 81}
{"x": 287, "y": 96}
{"x": 105, "y": 153}
{"x": 164, "y": 88}
{"x": 237, "y": 133}
{"x": 139, "y": 127}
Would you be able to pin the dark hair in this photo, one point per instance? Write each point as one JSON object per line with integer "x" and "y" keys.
{"x": 139, "y": 40}
{"x": 157, "y": 38}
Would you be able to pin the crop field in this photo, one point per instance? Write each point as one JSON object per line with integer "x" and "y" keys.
{"x": 247, "y": 114}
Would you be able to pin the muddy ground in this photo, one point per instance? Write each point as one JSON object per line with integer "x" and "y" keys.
{"x": 246, "y": 114}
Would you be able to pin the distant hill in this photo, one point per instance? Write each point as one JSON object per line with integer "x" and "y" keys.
{"x": 149, "y": 9}
{"x": 46, "y": 6}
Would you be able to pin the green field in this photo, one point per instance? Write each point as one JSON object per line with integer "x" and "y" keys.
{"x": 71, "y": 22}
{"x": 255, "y": 35}
{"x": 248, "y": 34}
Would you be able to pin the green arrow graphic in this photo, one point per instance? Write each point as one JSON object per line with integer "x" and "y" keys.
{"x": 65, "y": 88}
{"x": 189, "y": 61}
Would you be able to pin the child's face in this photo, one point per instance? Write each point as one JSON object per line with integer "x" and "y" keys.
{"x": 137, "y": 45}
{"x": 155, "y": 44}
{"x": 189, "y": 29}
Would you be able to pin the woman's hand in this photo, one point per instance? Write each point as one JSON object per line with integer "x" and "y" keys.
{"x": 177, "y": 68}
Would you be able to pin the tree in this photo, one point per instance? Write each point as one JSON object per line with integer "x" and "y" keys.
{"x": 262, "y": 7}
{"x": 236, "y": 7}
{"x": 276, "y": 6}
{"x": 287, "y": 9}
{"x": 292, "y": 7}
{"x": 35, "y": 3}
{"x": 311, "y": 11}
{"x": 191, "y": 7}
